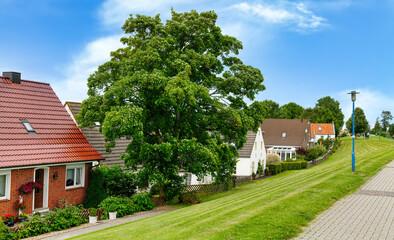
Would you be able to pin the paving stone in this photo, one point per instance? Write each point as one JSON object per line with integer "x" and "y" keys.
{"x": 366, "y": 214}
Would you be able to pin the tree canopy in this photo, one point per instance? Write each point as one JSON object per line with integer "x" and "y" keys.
{"x": 177, "y": 90}
{"x": 377, "y": 127}
{"x": 290, "y": 111}
{"x": 326, "y": 110}
{"x": 360, "y": 122}
{"x": 386, "y": 118}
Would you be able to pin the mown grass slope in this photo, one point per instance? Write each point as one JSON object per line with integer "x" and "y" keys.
{"x": 274, "y": 208}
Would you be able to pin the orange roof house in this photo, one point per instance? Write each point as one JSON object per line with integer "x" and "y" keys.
{"x": 322, "y": 131}
{"x": 39, "y": 142}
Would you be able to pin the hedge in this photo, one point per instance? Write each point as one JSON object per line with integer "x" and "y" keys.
{"x": 275, "y": 168}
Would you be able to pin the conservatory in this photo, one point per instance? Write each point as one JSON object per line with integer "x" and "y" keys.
{"x": 284, "y": 152}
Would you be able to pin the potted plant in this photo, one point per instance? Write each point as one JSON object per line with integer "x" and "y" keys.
{"x": 23, "y": 217}
{"x": 92, "y": 215}
{"x": 112, "y": 211}
{"x": 9, "y": 219}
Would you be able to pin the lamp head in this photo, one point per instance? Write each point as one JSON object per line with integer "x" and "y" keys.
{"x": 353, "y": 95}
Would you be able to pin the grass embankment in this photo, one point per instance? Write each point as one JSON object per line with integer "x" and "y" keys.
{"x": 274, "y": 208}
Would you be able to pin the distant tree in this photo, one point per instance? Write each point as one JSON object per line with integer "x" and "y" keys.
{"x": 310, "y": 113}
{"x": 333, "y": 105}
{"x": 361, "y": 123}
{"x": 272, "y": 108}
{"x": 386, "y": 118}
{"x": 377, "y": 127}
{"x": 177, "y": 90}
{"x": 391, "y": 129}
{"x": 290, "y": 111}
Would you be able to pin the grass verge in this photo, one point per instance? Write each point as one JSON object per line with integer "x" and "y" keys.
{"x": 274, "y": 208}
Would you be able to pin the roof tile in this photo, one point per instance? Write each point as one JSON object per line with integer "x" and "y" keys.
{"x": 58, "y": 139}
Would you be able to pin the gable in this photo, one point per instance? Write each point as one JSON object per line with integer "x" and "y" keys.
{"x": 57, "y": 139}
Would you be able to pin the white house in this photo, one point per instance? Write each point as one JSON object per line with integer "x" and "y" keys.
{"x": 322, "y": 131}
{"x": 251, "y": 154}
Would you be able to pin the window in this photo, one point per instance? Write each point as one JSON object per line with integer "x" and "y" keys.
{"x": 261, "y": 144}
{"x": 255, "y": 146}
{"x": 28, "y": 127}
{"x": 5, "y": 184}
{"x": 74, "y": 176}
{"x": 188, "y": 180}
{"x": 319, "y": 128}
{"x": 283, "y": 134}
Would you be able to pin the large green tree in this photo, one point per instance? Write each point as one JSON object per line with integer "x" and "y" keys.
{"x": 332, "y": 105}
{"x": 326, "y": 110}
{"x": 272, "y": 108}
{"x": 386, "y": 118}
{"x": 360, "y": 122}
{"x": 290, "y": 111}
{"x": 177, "y": 89}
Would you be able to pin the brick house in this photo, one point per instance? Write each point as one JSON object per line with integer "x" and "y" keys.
{"x": 39, "y": 142}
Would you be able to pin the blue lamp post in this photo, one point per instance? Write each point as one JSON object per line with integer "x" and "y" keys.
{"x": 353, "y": 94}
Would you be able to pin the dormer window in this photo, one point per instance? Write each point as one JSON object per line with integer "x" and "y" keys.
{"x": 319, "y": 128}
{"x": 28, "y": 127}
{"x": 283, "y": 134}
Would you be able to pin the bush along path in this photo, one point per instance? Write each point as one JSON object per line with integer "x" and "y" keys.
{"x": 274, "y": 208}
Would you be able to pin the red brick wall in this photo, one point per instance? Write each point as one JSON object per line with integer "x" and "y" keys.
{"x": 57, "y": 189}
{"x": 18, "y": 177}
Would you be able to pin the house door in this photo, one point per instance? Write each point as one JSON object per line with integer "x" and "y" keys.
{"x": 39, "y": 193}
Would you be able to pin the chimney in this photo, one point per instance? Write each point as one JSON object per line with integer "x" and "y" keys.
{"x": 15, "y": 77}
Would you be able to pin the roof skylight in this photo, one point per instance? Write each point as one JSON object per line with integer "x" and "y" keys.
{"x": 28, "y": 127}
{"x": 283, "y": 134}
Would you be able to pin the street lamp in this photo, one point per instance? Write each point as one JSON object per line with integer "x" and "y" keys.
{"x": 353, "y": 94}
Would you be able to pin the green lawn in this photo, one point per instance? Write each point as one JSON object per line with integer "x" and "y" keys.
{"x": 274, "y": 208}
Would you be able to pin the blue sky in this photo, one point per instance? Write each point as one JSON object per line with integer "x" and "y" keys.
{"x": 305, "y": 49}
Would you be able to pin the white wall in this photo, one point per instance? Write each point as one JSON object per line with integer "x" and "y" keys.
{"x": 246, "y": 166}
{"x": 325, "y": 136}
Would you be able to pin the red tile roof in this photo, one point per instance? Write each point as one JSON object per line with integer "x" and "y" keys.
{"x": 58, "y": 139}
{"x": 326, "y": 129}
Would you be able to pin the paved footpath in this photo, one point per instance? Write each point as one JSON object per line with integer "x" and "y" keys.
{"x": 88, "y": 228}
{"x": 366, "y": 214}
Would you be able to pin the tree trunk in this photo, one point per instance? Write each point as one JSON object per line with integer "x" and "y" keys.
{"x": 162, "y": 191}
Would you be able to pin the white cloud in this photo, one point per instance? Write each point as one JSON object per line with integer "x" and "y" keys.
{"x": 95, "y": 53}
{"x": 372, "y": 102}
{"x": 117, "y": 11}
{"x": 284, "y": 12}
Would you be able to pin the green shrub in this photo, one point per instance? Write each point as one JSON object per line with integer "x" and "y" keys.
{"x": 260, "y": 168}
{"x": 118, "y": 182}
{"x": 315, "y": 152}
{"x": 143, "y": 202}
{"x": 275, "y": 168}
{"x": 123, "y": 206}
{"x": 189, "y": 198}
{"x": 300, "y": 157}
{"x": 96, "y": 192}
{"x": 63, "y": 218}
{"x": 273, "y": 158}
{"x": 93, "y": 212}
{"x": 284, "y": 166}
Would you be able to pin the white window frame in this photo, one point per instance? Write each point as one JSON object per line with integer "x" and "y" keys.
{"x": 7, "y": 174}
{"x": 187, "y": 181}
{"x": 82, "y": 166}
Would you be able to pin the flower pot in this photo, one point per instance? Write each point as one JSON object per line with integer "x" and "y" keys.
{"x": 112, "y": 215}
{"x": 92, "y": 219}
{"x": 10, "y": 224}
